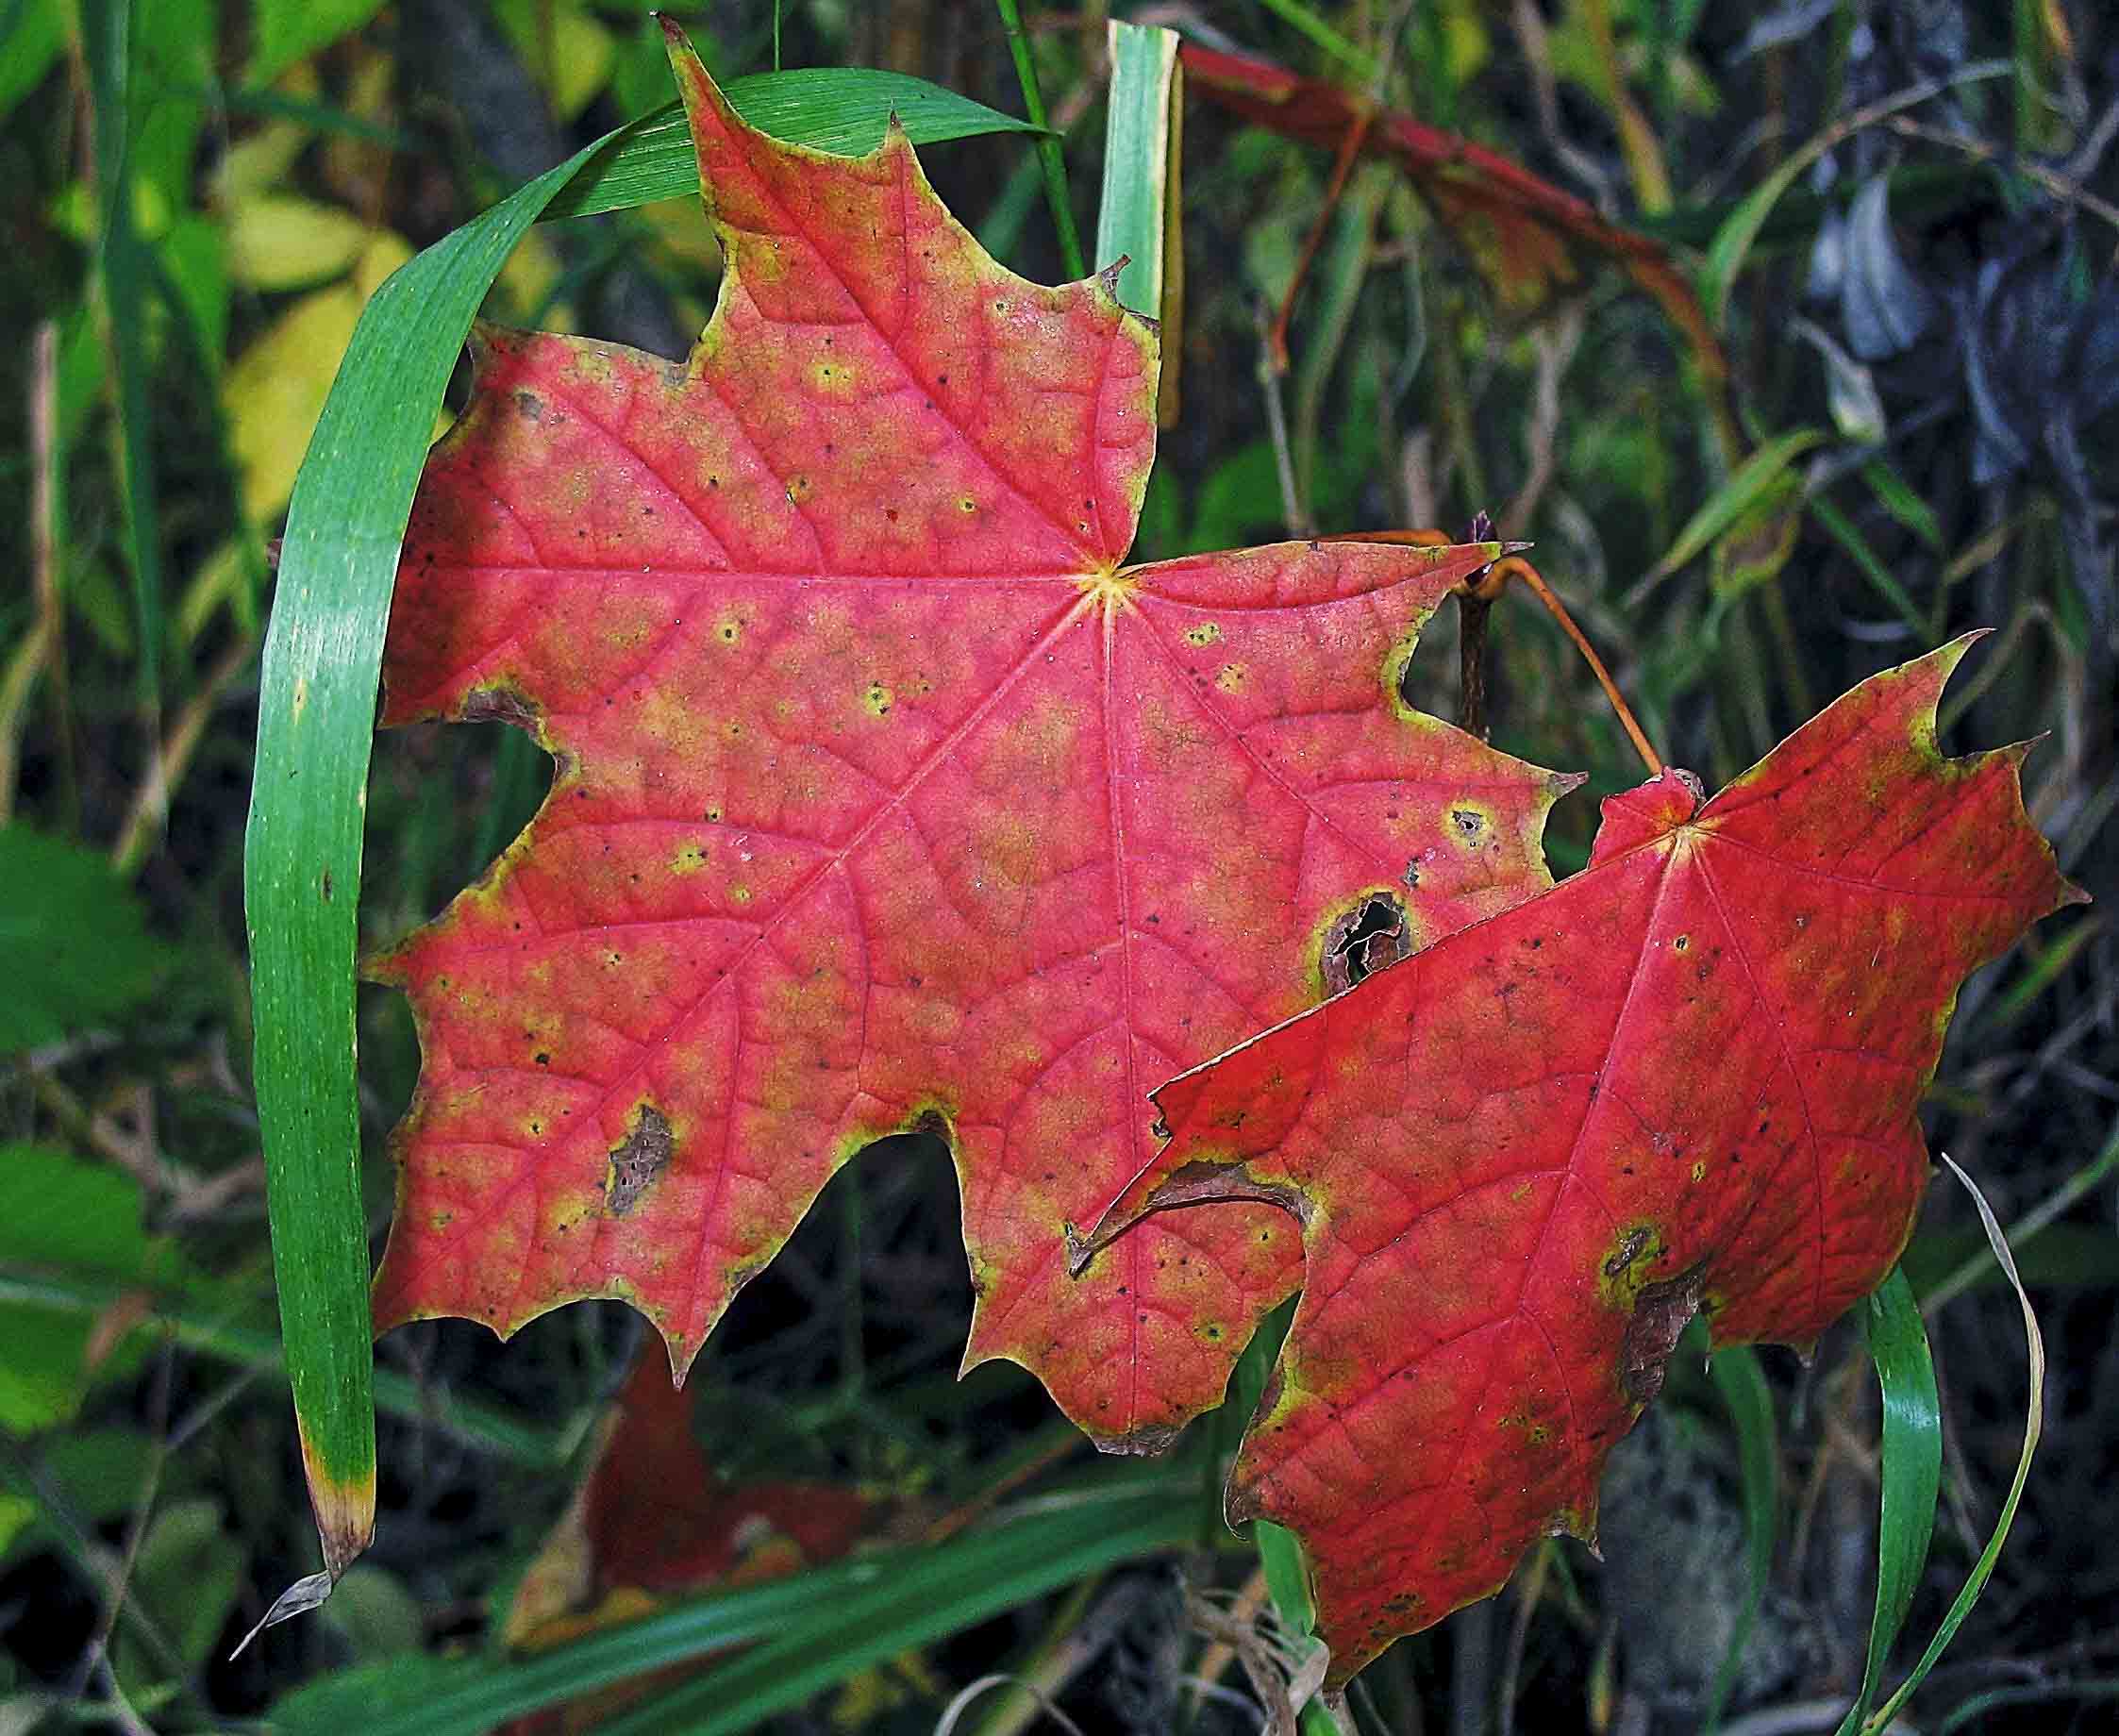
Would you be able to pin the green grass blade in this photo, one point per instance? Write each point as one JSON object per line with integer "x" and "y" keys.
{"x": 301, "y": 852}
{"x": 1982, "y": 1570}
{"x": 1968, "y": 1715}
{"x": 1912, "y": 1466}
{"x": 1743, "y": 1386}
{"x": 1732, "y": 240}
{"x": 107, "y": 38}
{"x": 841, "y": 109}
{"x": 1747, "y": 484}
{"x": 2033, "y": 1223}
{"x": 1301, "y": 17}
{"x": 1137, "y": 210}
{"x": 217, "y": 1327}
{"x": 1896, "y": 497}
{"x": 1050, "y": 159}
{"x": 1843, "y": 530}
{"x": 805, "y": 1632}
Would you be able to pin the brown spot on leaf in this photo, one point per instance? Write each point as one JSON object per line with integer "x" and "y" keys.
{"x": 1629, "y": 1251}
{"x": 499, "y": 705}
{"x": 638, "y": 1160}
{"x": 1660, "y": 1314}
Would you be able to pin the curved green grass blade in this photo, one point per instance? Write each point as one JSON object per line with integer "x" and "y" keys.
{"x": 804, "y": 1633}
{"x": 1743, "y": 1386}
{"x": 316, "y": 712}
{"x": 301, "y": 851}
{"x": 1746, "y": 486}
{"x": 1911, "y": 1467}
{"x": 2034, "y": 1415}
{"x": 841, "y": 109}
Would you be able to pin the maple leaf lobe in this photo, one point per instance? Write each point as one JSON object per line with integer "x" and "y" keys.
{"x": 884, "y": 801}
{"x": 1687, "y": 1078}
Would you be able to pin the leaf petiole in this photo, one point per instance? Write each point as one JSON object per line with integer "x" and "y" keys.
{"x": 1514, "y": 566}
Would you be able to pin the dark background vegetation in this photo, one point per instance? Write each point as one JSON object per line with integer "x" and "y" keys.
{"x": 1935, "y": 297}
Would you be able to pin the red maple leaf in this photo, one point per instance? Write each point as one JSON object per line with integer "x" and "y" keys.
{"x": 886, "y": 797}
{"x": 655, "y": 1520}
{"x": 1684, "y": 1080}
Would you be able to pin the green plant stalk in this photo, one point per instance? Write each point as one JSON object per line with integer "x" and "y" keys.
{"x": 1911, "y": 1469}
{"x": 107, "y": 33}
{"x": 316, "y": 712}
{"x": 1843, "y": 531}
{"x": 1135, "y": 210}
{"x": 1049, "y": 157}
{"x": 1293, "y": 13}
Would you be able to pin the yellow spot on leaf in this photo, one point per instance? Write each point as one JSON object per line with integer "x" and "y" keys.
{"x": 1205, "y": 633}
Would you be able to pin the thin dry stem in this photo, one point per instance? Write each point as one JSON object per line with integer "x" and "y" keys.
{"x": 41, "y": 645}
{"x": 150, "y": 802}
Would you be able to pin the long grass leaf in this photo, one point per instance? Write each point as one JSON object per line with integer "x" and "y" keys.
{"x": 1982, "y": 1570}
{"x": 804, "y": 1633}
{"x": 1136, "y": 205}
{"x": 1747, "y": 484}
{"x": 1912, "y": 1470}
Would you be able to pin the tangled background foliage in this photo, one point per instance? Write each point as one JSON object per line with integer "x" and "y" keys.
{"x": 1914, "y": 436}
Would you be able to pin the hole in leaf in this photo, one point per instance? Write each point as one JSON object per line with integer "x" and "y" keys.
{"x": 1371, "y": 938}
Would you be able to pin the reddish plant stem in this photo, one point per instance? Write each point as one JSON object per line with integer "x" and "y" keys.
{"x": 1513, "y": 566}
{"x": 1349, "y": 152}
{"x": 1483, "y": 587}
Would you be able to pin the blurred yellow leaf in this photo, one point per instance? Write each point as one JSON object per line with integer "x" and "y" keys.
{"x": 279, "y": 241}
{"x": 568, "y": 51}
{"x": 274, "y": 390}
{"x": 527, "y": 280}
{"x": 263, "y": 160}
